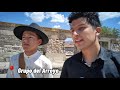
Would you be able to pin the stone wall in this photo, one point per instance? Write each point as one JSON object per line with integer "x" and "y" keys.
{"x": 55, "y": 45}
{"x": 57, "y": 59}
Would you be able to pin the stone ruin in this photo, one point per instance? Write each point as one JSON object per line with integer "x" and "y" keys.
{"x": 55, "y": 50}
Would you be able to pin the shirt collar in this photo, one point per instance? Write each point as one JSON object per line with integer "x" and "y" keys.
{"x": 31, "y": 56}
{"x": 104, "y": 54}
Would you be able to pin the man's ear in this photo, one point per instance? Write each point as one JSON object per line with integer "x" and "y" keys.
{"x": 98, "y": 31}
{"x": 40, "y": 41}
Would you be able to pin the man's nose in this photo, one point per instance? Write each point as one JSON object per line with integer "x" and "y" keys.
{"x": 75, "y": 33}
{"x": 25, "y": 40}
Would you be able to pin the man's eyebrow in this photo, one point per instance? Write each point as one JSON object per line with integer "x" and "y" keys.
{"x": 33, "y": 34}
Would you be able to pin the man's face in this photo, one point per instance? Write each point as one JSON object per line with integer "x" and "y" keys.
{"x": 83, "y": 34}
{"x": 30, "y": 41}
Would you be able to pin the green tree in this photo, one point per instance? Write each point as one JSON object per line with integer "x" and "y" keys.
{"x": 110, "y": 32}
{"x": 116, "y": 33}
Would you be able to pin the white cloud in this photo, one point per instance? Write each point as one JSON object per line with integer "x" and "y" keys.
{"x": 68, "y": 23}
{"x": 40, "y": 16}
{"x": 50, "y": 14}
{"x": 58, "y": 18}
{"x": 37, "y": 16}
{"x": 27, "y": 14}
{"x": 108, "y": 15}
{"x": 55, "y": 17}
{"x": 57, "y": 26}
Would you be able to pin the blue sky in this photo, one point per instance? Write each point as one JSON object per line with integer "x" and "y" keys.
{"x": 56, "y": 19}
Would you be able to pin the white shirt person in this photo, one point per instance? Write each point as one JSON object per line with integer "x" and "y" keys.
{"x": 35, "y": 61}
{"x": 31, "y": 37}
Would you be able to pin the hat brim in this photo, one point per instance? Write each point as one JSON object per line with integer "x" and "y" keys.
{"x": 18, "y": 32}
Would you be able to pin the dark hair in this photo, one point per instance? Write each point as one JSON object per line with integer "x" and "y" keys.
{"x": 91, "y": 17}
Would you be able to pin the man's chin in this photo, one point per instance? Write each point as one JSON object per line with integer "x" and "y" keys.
{"x": 26, "y": 50}
{"x": 80, "y": 47}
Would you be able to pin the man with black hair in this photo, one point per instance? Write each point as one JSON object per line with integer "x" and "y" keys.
{"x": 93, "y": 61}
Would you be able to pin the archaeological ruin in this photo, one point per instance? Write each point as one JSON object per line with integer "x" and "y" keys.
{"x": 57, "y": 50}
